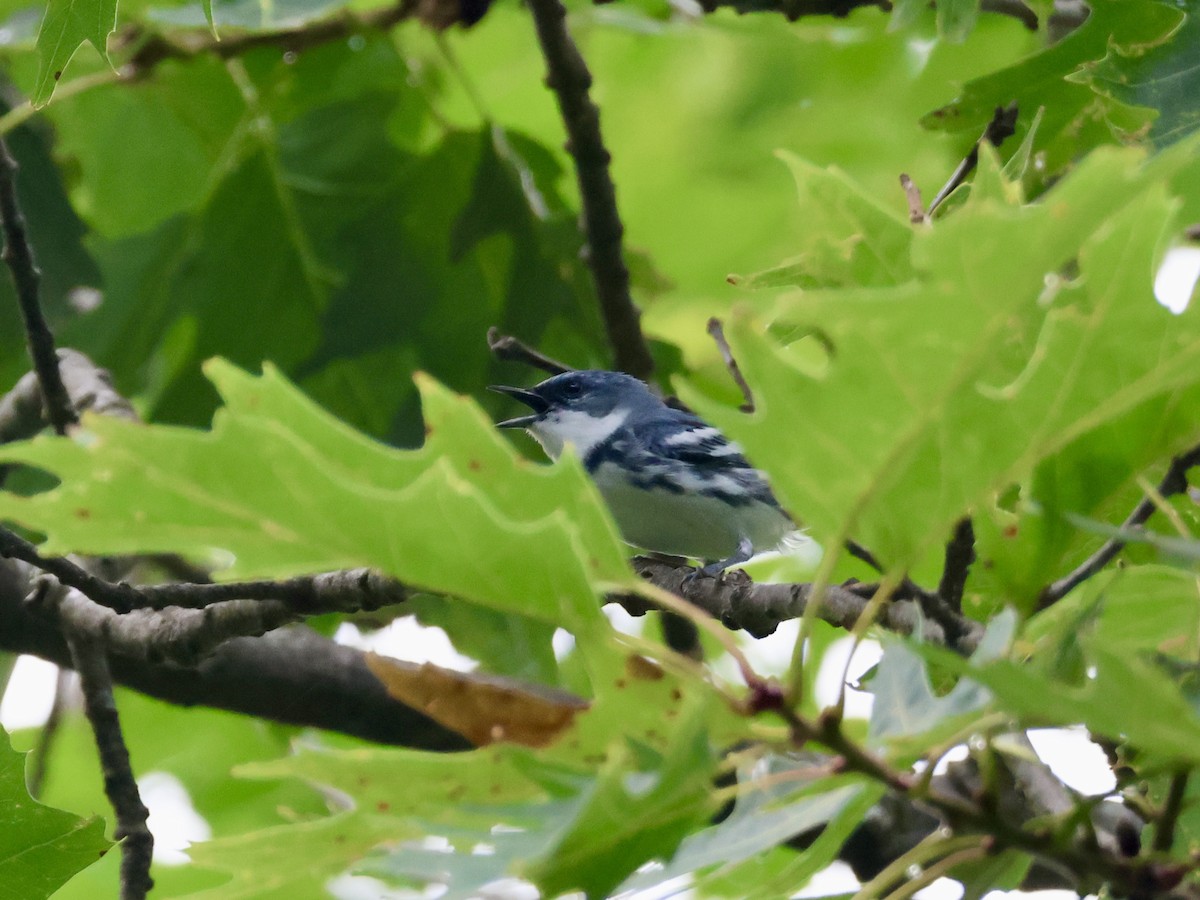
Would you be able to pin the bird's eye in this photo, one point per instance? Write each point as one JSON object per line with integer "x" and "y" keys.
{"x": 572, "y": 387}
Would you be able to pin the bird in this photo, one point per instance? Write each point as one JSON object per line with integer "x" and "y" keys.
{"x": 673, "y": 483}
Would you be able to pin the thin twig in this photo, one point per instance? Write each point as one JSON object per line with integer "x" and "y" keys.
{"x": 717, "y": 330}
{"x": 958, "y": 632}
{"x": 89, "y": 388}
{"x": 180, "y": 636}
{"x": 22, "y": 113}
{"x": 1174, "y": 482}
{"x": 18, "y": 255}
{"x": 827, "y": 729}
{"x": 960, "y": 553}
{"x": 943, "y": 867}
{"x": 1014, "y": 8}
{"x": 348, "y": 590}
{"x": 916, "y": 206}
{"x": 795, "y": 9}
{"x": 858, "y": 551}
{"x": 1164, "y": 826}
{"x": 137, "y": 843}
{"x": 1002, "y": 126}
{"x": 39, "y": 757}
{"x": 1086, "y": 861}
{"x": 508, "y": 349}
{"x": 931, "y": 847}
{"x": 154, "y": 48}
{"x": 568, "y": 77}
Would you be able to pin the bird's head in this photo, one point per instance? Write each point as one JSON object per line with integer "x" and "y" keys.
{"x": 579, "y": 408}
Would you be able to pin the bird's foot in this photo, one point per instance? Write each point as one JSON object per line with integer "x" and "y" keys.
{"x": 745, "y": 550}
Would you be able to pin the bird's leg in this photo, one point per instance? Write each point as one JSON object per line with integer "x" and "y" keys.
{"x": 744, "y": 551}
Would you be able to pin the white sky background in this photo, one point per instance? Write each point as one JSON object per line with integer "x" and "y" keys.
{"x": 1072, "y": 757}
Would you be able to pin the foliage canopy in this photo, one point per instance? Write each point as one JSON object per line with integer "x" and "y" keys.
{"x": 346, "y": 202}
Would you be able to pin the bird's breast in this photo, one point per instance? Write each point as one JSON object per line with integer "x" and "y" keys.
{"x": 667, "y": 516}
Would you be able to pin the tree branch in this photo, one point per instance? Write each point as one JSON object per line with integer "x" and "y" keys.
{"x": 568, "y": 77}
{"x": 183, "y": 636}
{"x": 795, "y": 9}
{"x": 297, "y": 677}
{"x": 90, "y": 660}
{"x": 239, "y": 608}
{"x": 960, "y": 553}
{"x": 88, "y": 654}
{"x": 292, "y": 675}
{"x": 151, "y": 49}
{"x": 1019, "y": 811}
{"x": 717, "y": 331}
{"x": 1013, "y": 8}
{"x": 739, "y": 603}
{"x": 1002, "y": 126}
{"x": 18, "y": 255}
{"x": 1174, "y": 482}
{"x": 347, "y": 590}
{"x": 509, "y": 349}
{"x": 88, "y": 387}
{"x": 1067, "y": 14}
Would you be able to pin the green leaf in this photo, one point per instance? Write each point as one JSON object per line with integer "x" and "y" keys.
{"x": 937, "y": 392}
{"x": 334, "y": 256}
{"x": 792, "y": 877}
{"x": 40, "y": 847}
{"x": 1004, "y": 871}
{"x": 563, "y": 825}
{"x": 1165, "y": 77}
{"x": 217, "y": 741}
{"x": 847, "y": 237}
{"x": 504, "y": 643}
{"x": 1126, "y": 698}
{"x": 249, "y": 15}
{"x": 627, "y": 818}
{"x": 436, "y": 787}
{"x": 907, "y": 709}
{"x": 7, "y": 662}
{"x": 280, "y": 487}
{"x": 315, "y": 851}
{"x": 129, "y": 193}
{"x": 1178, "y": 549}
{"x": 761, "y": 819}
{"x": 1027, "y": 543}
{"x": 956, "y": 18}
{"x": 905, "y": 13}
{"x": 1074, "y": 121}
{"x": 460, "y": 796}
{"x": 461, "y": 871}
{"x": 1140, "y": 608}
{"x": 181, "y": 285}
{"x": 68, "y": 23}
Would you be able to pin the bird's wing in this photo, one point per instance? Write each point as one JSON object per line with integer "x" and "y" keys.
{"x": 716, "y": 463}
{"x": 689, "y": 439}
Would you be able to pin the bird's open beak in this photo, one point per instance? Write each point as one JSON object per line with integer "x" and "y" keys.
{"x": 529, "y": 398}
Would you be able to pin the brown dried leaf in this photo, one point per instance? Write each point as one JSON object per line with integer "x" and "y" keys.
{"x": 484, "y": 709}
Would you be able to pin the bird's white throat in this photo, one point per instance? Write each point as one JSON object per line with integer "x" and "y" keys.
{"x": 582, "y": 431}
